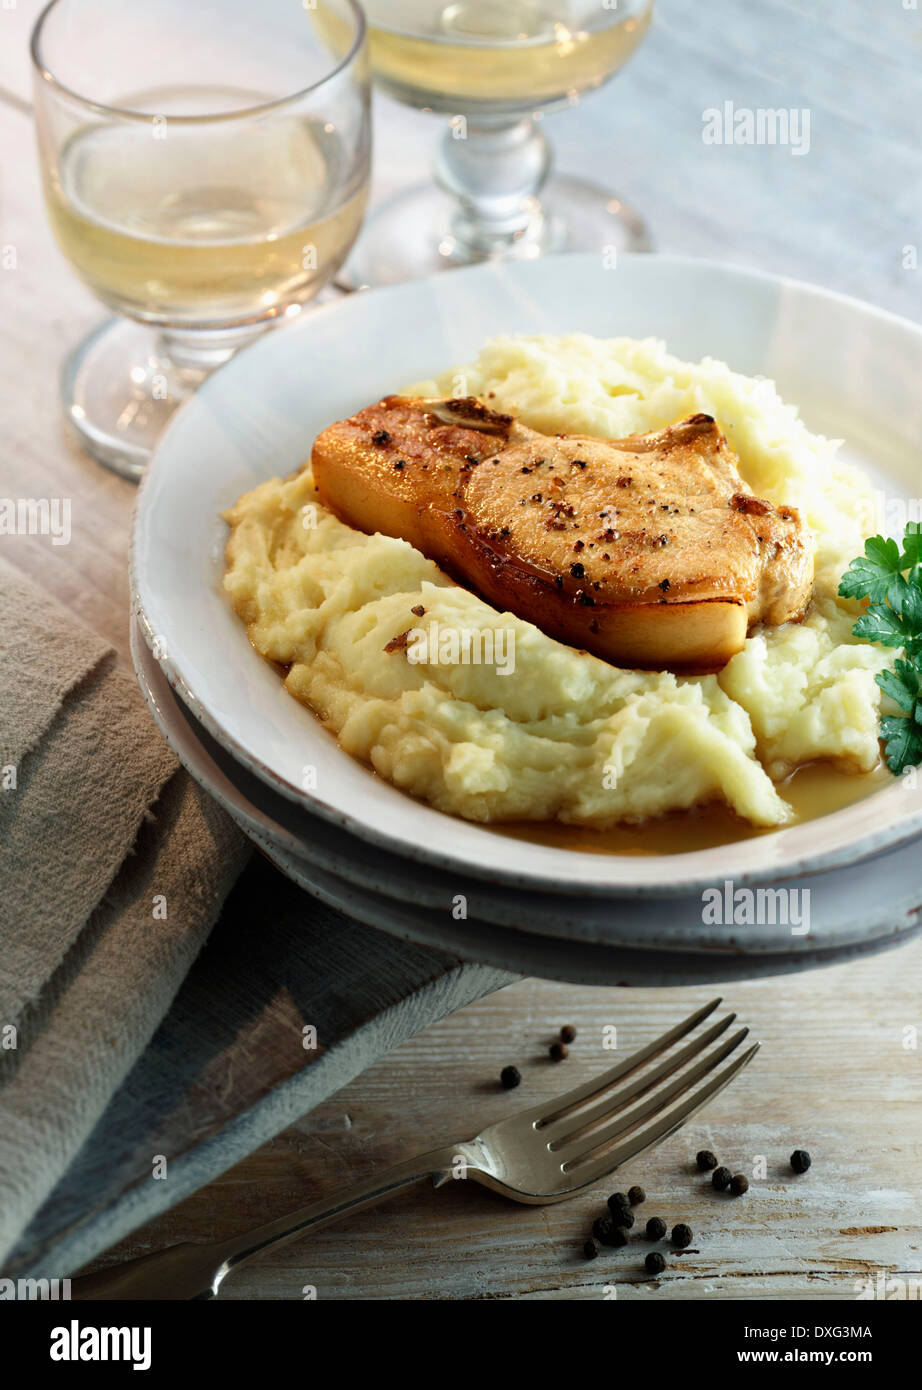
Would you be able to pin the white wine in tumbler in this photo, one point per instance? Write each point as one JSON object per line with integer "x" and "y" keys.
{"x": 178, "y": 225}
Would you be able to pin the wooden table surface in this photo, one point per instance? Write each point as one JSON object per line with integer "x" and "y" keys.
{"x": 839, "y": 1072}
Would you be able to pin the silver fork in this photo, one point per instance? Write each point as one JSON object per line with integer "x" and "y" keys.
{"x": 544, "y": 1154}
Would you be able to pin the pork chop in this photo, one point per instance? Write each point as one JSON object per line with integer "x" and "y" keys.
{"x": 649, "y": 551}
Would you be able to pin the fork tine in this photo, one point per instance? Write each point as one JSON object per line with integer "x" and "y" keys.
{"x": 625, "y": 1119}
{"x": 594, "y": 1170}
{"x": 559, "y": 1131}
{"x": 548, "y": 1110}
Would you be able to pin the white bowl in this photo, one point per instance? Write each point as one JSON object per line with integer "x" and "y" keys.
{"x": 852, "y": 370}
{"x": 647, "y": 941}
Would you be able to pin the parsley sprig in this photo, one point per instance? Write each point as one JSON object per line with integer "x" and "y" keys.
{"x": 890, "y": 579}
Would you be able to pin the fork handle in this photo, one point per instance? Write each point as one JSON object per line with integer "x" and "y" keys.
{"x": 191, "y": 1271}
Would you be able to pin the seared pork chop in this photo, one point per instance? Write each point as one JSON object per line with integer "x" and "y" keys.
{"x": 649, "y": 551}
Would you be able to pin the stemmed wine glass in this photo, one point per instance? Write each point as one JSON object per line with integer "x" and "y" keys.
{"x": 205, "y": 168}
{"x": 495, "y": 67}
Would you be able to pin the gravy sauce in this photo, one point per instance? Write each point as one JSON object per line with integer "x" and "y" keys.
{"x": 817, "y": 789}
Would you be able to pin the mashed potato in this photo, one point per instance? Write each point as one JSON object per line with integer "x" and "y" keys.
{"x": 564, "y": 735}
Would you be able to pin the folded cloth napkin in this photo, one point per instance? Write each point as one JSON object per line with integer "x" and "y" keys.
{"x": 113, "y": 867}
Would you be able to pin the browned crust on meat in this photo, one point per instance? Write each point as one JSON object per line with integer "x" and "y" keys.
{"x": 648, "y": 550}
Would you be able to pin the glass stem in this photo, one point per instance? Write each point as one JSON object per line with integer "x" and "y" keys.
{"x": 496, "y": 171}
{"x": 197, "y": 352}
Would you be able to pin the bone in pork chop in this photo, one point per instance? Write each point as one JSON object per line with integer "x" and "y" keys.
{"x": 648, "y": 551}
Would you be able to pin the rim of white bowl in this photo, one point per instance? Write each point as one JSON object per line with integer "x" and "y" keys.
{"x": 579, "y": 871}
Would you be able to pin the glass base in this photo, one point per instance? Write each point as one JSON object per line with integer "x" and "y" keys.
{"x": 120, "y": 386}
{"x": 420, "y": 230}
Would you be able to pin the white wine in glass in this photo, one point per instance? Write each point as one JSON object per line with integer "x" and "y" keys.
{"x": 467, "y": 56}
{"x": 495, "y": 68}
{"x": 250, "y": 224}
{"x": 205, "y": 171}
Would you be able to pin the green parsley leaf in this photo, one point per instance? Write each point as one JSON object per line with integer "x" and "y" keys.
{"x": 889, "y": 579}
{"x": 871, "y": 575}
{"x": 881, "y": 624}
{"x": 903, "y": 741}
{"x": 910, "y": 607}
{"x": 901, "y": 684}
{"x": 912, "y": 546}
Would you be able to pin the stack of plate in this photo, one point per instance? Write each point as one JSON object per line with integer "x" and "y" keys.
{"x": 355, "y": 841}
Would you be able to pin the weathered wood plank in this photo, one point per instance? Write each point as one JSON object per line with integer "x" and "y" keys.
{"x": 45, "y": 311}
{"x": 833, "y": 1076}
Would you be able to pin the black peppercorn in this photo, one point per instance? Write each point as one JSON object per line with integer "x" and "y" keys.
{"x": 636, "y": 1195}
{"x": 705, "y": 1160}
{"x": 590, "y": 1249}
{"x": 558, "y": 1051}
{"x": 720, "y": 1179}
{"x": 681, "y": 1235}
{"x": 654, "y": 1263}
{"x": 800, "y": 1160}
{"x": 622, "y": 1216}
{"x": 605, "y": 1230}
{"x": 510, "y": 1077}
{"x": 656, "y": 1228}
{"x": 739, "y": 1184}
{"x": 617, "y": 1200}
{"x": 567, "y": 1033}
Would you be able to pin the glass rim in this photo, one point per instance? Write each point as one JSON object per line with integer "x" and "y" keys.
{"x": 123, "y": 113}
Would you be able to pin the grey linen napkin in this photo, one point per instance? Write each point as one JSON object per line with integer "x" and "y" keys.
{"x": 113, "y": 867}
